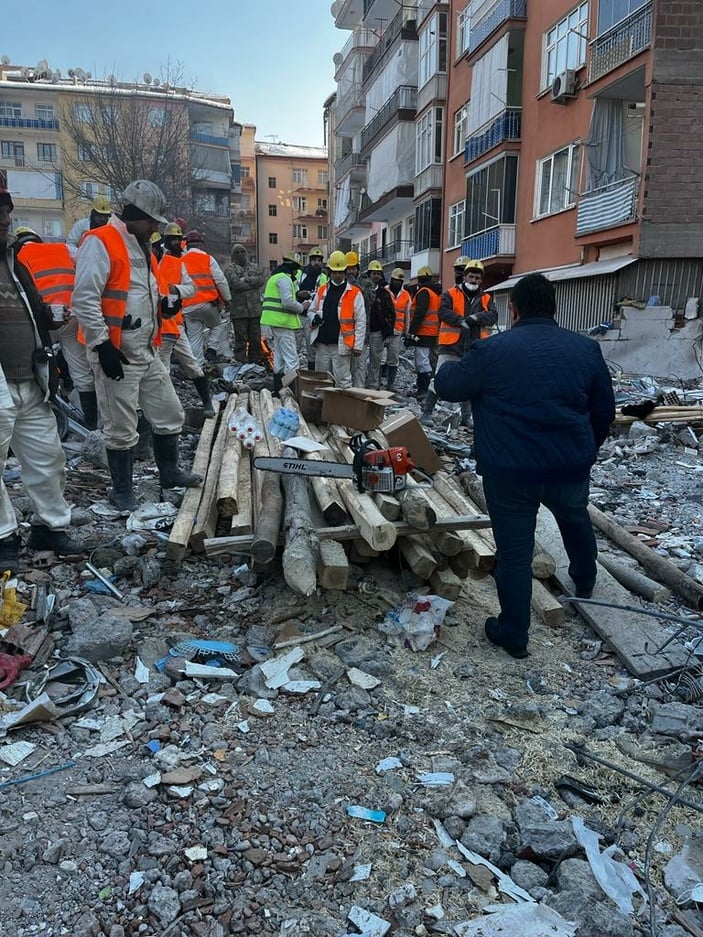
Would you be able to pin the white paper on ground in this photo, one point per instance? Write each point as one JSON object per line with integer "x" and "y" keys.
{"x": 527, "y": 920}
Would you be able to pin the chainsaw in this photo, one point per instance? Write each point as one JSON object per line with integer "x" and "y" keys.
{"x": 373, "y": 469}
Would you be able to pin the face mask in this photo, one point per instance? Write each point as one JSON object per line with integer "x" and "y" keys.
{"x": 471, "y": 287}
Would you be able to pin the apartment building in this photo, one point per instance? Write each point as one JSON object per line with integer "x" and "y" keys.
{"x": 244, "y": 198}
{"x": 63, "y": 140}
{"x": 292, "y": 201}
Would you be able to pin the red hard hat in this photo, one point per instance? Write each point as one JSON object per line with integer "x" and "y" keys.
{"x": 194, "y": 237}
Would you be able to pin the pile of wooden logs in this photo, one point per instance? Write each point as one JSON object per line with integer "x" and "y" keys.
{"x": 665, "y": 414}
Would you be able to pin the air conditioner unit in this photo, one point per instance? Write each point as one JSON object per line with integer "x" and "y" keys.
{"x": 564, "y": 87}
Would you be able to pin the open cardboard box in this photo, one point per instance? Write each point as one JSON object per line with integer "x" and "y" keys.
{"x": 404, "y": 429}
{"x": 357, "y": 407}
{"x": 309, "y": 386}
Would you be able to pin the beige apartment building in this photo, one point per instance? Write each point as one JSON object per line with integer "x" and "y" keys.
{"x": 292, "y": 201}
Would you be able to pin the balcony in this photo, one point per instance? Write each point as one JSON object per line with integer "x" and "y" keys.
{"x": 208, "y": 139}
{"x": 393, "y": 253}
{"x": 607, "y": 207}
{"x": 212, "y": 177}
{"x": 347, "y": 13}
{"x": 431, "y": 177}
{"x": 361, "y": 40}
{"x": 488, "y": 16}
{"x": 496, "y": 242}
{"x": 28, "y": 123}
{"x": 349, "y": 111}
{"x": 352, "y": 162}
{"x": 398, "y": 27}
{"x": 506, "y": 126}
{"x": 425, "y": 7}
{"x": 433, "y": 90}
{"x": 401, "y": 104}
{"x": 248, "y": 183}
{"x": 621, "y": 42}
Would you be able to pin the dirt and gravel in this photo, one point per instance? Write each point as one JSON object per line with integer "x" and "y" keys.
{"x": 187, "y": 806}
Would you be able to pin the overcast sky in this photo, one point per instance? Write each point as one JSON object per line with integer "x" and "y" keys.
{"x": 273, "y": 58}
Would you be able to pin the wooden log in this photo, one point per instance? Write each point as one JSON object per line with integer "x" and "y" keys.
{"x": 416, "y": 552}
{"x": 448, "y": 542}
{"x": 444, "y": 582}
{"x": 417, "y": 509}
{"x": 388, "y": 505}
{"x": 332, "y": 566}
{"x": 358, "y": 559}
{"x": 242, "y": 521}
{"x": 302, "y": 548}
{"x": 543, "y": 566}
{"x": 268, "y": 499}
{"x": 228, "y": 479}
{"x": 546, "y": 606}
{"x": 183, "y": 525}
{"x": 634, "y": 580}
{"x": 363, "y": 549}
{"x": 206, "y": 520}
{"x": 462, "y": 563}
{"x": 659, "y": 567}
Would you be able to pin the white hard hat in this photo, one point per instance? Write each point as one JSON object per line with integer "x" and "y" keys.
{"x": 147, "y": 197}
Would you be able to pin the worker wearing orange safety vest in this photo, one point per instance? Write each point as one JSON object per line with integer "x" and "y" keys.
{"x": 203, "y": 312}
{"x": 424, "y": 327}
{"x": 117, "y": 303}
{"x": 402, "y": 302}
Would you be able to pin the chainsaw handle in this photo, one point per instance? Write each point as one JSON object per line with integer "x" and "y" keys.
{"x": 423, "y": 478}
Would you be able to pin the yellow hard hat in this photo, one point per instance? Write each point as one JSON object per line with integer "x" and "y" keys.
{"x": 398, "y": 274}
{"x": 375, "y": 266}
{"x": 462, "y": 261}
{"x": 352, "y": 259}
{"x": 316, "y": 252}
{"x": 290, "y": 258}
{"x": 474, "y": 266}
{"x": 425, "y": 272}
{"x": 26, "y": 234}
{"x": 155, "y": 238}
{"x": 173, "y": 230}
{"x": 101, "y": 205}
{"x": 338, "y": 260}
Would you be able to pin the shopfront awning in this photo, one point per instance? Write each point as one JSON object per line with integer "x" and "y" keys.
{"x": 573, "y": 272}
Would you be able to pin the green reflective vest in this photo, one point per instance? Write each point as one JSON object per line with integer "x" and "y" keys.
{"x": 272, "y": 311}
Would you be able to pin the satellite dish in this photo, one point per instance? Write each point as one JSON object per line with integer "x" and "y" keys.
{"x": 71, "y": 73}
{"x": 88, "y": 74}
{"x": 147, "y": 78}
{"x": 156, "y": 82}
{"x": 5, "y": 60}
{"x": 24, "y": 71}
{"x": 337, "y": 58}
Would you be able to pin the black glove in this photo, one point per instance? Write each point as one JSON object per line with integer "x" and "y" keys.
{"x": 171, "y": 305}
{"x": 130, "y": 326}
{"x": 316, "y": 321}
{"x": 111, "y": 360}
{"x": 410, "y": 340}
{"x": 302, "y": 295}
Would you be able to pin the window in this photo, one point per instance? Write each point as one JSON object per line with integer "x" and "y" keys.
{"x": 273, "y": 238}
{"x": 300, "y": 177}
{"x": 490, "y": 196}
{"x": 245, "y": 203}
{"x": 322, "y": 232}
{"x": 90, "y": 189}
{"x": 10, "y": 109}
{"x": 428, "y": 139}
{"x": 273, "y": 211}
{"x": 300, "y": 231}
{"x": 300, "y": 204}
{"x": 47, "y": 152}
{"x": 12, "y": 150}
{"x": 460, "y": 129}
{"x": 304, "y": 259}
{"x": 51, "y": 228}
{"x": 244, "y": 172}
{"x": 565, "y": 44}
{"x": 432, "y": 49}
{"x": 323, "y": 177}
{"x": 456, "y": 224}
{"x": 85, "y": 153}
{"x": 463, "y": 30}
{"x": 322, "y": 203}
{"x": 557, "y": 179}
{"x": 83, "y": 113}
{"x": 44, "y": 111}
{"x": 272, "y": 182}
{"x": 428, "y": 224}
{"x": 157, "y": 116}
{"x": 611, "y": 12}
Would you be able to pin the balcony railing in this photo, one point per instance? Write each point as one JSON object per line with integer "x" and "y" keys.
{"x": 431, "y": 177}
{"x": 398, "y": 26}
{"x": 208, "y": 138}
{"x": 494, "y": 16}
{"x": 389, "y": 254}
{"x": 29, "y": 123}
{"x": 621, "y": 42}
{"x": 353, "y": 97}
{"x": 361, "y": 38}
{"x": 347, "y": 163}
{"x": 404, "y": 98}
{"x": 496, "y": 242}
{"x": 607, "y": 207}
{"x": 506, "y": 126}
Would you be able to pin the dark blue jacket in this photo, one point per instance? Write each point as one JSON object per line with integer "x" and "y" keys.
{"x": 542, "y": 401}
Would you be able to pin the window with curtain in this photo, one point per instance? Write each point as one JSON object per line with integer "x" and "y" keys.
{"x": 557, "y": 181}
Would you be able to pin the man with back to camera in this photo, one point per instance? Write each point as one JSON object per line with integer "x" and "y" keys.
{"x": 542, "y": 401}
{"x": 100, "y": 211}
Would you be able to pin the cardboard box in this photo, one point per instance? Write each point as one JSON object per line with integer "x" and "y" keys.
{"x": 356, "y": 407}
{"x": 404, "y": 429}
{"x": 309, "y": 386}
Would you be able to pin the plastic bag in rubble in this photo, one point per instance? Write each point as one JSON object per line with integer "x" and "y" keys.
{"x": 418, "y": 619}
{"x": 615, "y": 878}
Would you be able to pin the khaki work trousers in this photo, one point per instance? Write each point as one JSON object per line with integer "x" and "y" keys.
{"x": 182, "y": 352}
{"x": 328, "y": 358}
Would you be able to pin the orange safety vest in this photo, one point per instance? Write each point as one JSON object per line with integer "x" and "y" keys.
{"x": 401, "y": 303}
{"x": 170, "y": 272}
{"x": 52, "y": 270}
{"x": 450, "y": 334}
{"x": 430, "y": 324}
{"x": 116, "y": 290}
{"x": 198, "y": 266}
{"x": 345, "y": 312}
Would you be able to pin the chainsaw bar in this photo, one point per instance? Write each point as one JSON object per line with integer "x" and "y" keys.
{"x": 309, "y": 468}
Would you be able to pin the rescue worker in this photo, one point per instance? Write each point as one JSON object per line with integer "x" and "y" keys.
{"x": 100, "y": 212}
{"x": 381, "y": 321}
{"x": 311, "y": 277}
{"x": 360, "y": 362}
{"x": 117, "y": 302}
{"x": 174, "y": 340}
{"x": 281, "y": 312}
{"x": 337, "y": 319}
{"x": 401, "y": 302}
{"x": 203, "y": 311}
{"x": 246, "y": 280}
{"x": 27, "y": 423}
{"x": 424, "y": 327}
{"x": 157, "y": 245}
{"x": 466, "y": 314}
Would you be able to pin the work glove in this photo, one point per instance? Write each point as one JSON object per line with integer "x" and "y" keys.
{"x": 316, "y": 321}
{"x": 410, "y": 340}
{"x": 130, "y": 325}
{"x": 111, "y": 360}
{"x": 302, "y": 295}
{"x": 171, "y": 305}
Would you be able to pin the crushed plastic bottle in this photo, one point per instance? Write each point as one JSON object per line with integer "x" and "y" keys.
{"x": 363, "y": 813}
{"x": 284, "y": 423}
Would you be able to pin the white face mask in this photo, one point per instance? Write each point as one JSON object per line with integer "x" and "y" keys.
{"x": 471, "y": 287}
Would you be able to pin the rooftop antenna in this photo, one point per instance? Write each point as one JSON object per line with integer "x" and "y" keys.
{"x": 273, "y": 137}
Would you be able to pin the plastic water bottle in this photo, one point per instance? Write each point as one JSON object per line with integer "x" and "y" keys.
{"x": 284, "y": 423}
{"x": 237, "y": 419}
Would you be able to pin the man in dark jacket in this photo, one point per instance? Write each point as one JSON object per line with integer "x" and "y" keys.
{"x": 381, "y": 322}
{"x": 542, "y": 401}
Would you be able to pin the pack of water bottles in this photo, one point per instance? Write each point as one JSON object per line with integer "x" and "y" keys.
{"x": 245, "y": 428}
{"x": 284, "y": 423}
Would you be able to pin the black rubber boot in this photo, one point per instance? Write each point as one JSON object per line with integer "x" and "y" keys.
{"x": 391, "y": 372}
{"x": 277, "y": 383}
{"x": 430, "y": 401}
{"x": 423, "y": 382}
{"x": 89, "y": 406}
{"x": 311, "y": 365}
{"x": 384, "y": 371}
{"x": 166, "y": 455}
{"x": 121, "y": 494}
{"x": 10, "y": 553}
{"x": 42, "y": 537}
{"x": 203, "y": 389}
{"x": 466, "y": 419}
{"x": 143, "y": 451}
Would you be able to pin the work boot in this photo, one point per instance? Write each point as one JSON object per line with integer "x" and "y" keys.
{"x": 384, "y": 370}
{"x": 430, "y": 401}
{"x": 466, "y": 419}
{"x": 89, "y": 406}
{"x": 166, "y": 455}
{"x": 42, "y": 537}
{"x": 277, "y": 383}
{"x": 121, "y": 494}
{"x": 391, "y": 372}
{"x": 143, "y": 451}
{"x": 311, "y": 365}
{"x": 203, "y": 389}
{"x": 10, "y": 553}
{"x": 423, "y": 382}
